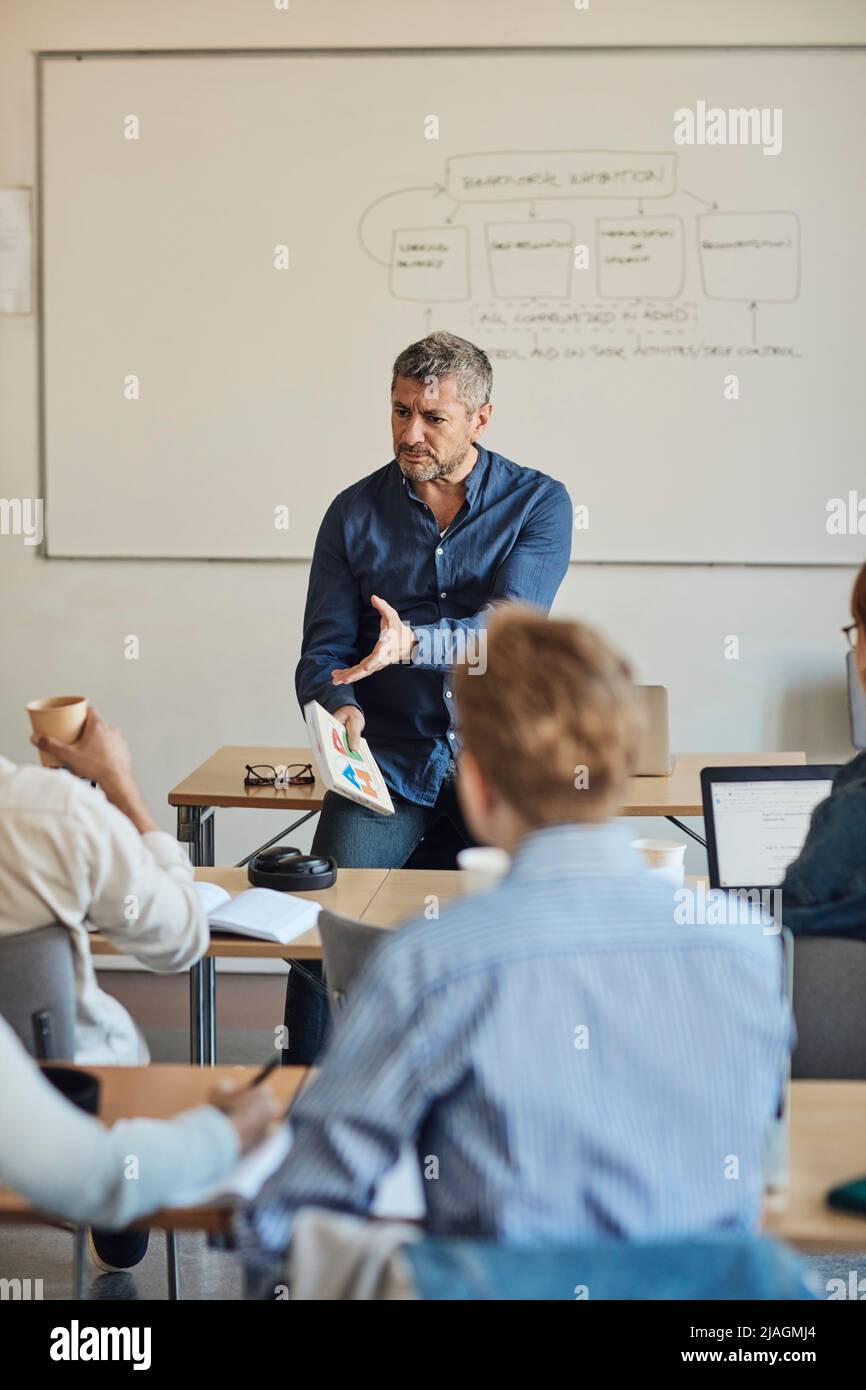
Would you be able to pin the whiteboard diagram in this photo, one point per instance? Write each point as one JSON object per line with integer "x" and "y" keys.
{"x": 635, "y": 263}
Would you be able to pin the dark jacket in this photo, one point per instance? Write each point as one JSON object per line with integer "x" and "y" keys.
{"x": 825, "y": 888}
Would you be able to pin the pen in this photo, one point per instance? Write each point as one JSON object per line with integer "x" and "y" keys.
{"x": 265, "y": 1072}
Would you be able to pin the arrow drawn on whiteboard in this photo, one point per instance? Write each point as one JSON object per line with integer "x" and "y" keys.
{"x": 434, "y": 188}
{"x": 753, "y": 310}
{"x": 428, "y": 319}
{"x": 712, "y": 206}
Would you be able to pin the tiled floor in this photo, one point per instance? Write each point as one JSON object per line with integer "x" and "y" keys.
{"x": 41, "y": 1252}
{"x": 46, "y": 1254}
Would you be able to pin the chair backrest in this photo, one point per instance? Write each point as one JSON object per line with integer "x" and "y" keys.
{"x": 829, "y": 990}
{"x": 37, "y": 975}
{"x": 346, "y": 945}
{"x": 738, "y": 1267}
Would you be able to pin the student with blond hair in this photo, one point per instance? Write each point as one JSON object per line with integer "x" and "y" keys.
{"x": 578, "y": 1063}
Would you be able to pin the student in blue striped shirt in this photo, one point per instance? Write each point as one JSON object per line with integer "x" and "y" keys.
{"x": 569, "y": 1061}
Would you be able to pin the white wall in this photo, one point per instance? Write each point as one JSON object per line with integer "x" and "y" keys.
{"x": 219, "y": 641}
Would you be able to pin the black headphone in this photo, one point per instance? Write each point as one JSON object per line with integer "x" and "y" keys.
{"x": 289, "y": 871}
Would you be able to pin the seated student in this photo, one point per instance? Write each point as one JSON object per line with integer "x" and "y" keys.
{"x": 74, "y": 855}
{"x": 70, "y": 1165}
{"x": 824, "y": 889}
{"x": 575, "y": 1062}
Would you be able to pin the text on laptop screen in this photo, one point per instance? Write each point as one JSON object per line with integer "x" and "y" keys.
{"x": 760, "y": 828}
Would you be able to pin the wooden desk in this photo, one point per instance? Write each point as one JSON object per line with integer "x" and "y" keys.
{"x": 680, "y": 794}
{"x": 828, "y": 1147}
{"x": 350, "y": 896}
{"x": 219, "y": 782}
{"x": 405, "y": 893}
{"x": 157, "y": 1092}
{"x": 160, "y": 1091}
{"x": 384, "y": 897}
{"x": 381, "y": 896}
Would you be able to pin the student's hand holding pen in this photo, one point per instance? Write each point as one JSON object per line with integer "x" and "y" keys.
{"x": 251, "y": 1109}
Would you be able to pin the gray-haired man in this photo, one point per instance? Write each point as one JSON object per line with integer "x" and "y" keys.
{"x": 406, "y": 563}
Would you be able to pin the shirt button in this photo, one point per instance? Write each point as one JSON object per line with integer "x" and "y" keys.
{"x": 447, "y": 694}
{"x": 450, "y": 735}
{"x": 442, "y": 595}
{"x": 440, "y": 551}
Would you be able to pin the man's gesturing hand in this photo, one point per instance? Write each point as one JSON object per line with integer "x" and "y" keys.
{"x": 396, "y": 640}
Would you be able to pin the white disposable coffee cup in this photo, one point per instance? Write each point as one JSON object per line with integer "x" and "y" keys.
{"x": 664, "y": 858}
{"x": 60, "y": 717}
{"x": 482, "y": 867}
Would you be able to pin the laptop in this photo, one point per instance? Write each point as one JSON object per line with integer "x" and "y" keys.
{"x": 757, "y": 819}
{"x": 654, "y": 758}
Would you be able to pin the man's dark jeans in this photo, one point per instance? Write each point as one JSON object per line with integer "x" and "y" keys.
{"x": 361, "y": 839}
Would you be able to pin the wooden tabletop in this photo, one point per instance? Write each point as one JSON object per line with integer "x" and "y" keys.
{"x": 828, "y": 1147}
{"x": 350, "y": 896}
{"x": 409, "y": 893}
{"x": 680, "y": 794}
{"x": 384, "y": 897}
{"x": 158, "y": 1092}
{"x": 220, "y": 782}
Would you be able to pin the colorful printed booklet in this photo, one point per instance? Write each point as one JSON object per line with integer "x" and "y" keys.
{"x": 349, "y": 773}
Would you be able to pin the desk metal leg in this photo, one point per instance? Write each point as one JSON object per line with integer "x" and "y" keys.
{"x": 79, "y": 1273}
{"x": 209, "y": 992}
{"x": 288, "y": 830}
{"x": 195, "y": 828}
{"x": 202, "y": 1012}
{"x": 173, "y": 1265}
{"x": 197, "y": 1013}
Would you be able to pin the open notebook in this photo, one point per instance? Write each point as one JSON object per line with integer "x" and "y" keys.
{"x": 259, "y": 912}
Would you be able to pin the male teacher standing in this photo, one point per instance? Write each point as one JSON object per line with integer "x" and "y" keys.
{"x": 406, "y": 562}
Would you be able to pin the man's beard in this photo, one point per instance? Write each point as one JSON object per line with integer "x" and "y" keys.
{"x": 428, "y": 468}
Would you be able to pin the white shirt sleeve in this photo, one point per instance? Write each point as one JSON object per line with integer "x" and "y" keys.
{"x": 67, "y": 1163}
{"x": 140, "y": 888}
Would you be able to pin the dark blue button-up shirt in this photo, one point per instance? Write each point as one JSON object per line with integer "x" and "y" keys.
{"x": 511, "y": 539}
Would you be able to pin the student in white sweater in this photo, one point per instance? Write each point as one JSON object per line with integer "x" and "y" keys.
{"x": 84, "y": 856}
{"x": 78, "y": 855}
{"x": 70, "y": 1165}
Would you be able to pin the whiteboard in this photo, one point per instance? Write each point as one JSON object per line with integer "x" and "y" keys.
{"x": 207, "y": 395}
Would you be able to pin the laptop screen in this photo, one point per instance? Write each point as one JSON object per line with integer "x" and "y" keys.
{"x": 760, "y": 828}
